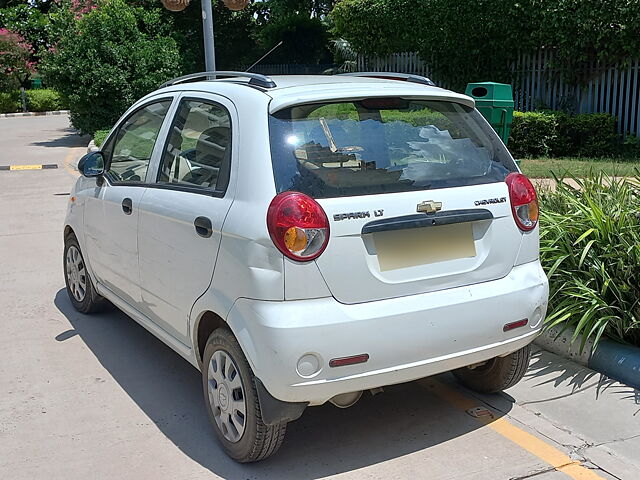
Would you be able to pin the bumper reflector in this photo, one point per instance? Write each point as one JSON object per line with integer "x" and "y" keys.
{"x": 512, "y": 325}
{"x": 341, "y": 362}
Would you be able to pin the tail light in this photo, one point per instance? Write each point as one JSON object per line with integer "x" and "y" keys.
{"x": 298, "y": 226}
{"x": 524, "y": 201}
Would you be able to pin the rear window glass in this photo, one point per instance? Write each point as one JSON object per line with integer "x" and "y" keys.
{"x": 383, "y": 145}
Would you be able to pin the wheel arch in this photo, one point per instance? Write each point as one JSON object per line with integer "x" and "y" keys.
{"x": 206, "y": 323}
{"x": 68, "y": 230}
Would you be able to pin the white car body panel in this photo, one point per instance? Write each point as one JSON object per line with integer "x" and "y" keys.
{"x": 406, "y": 338}
{"x": 413, "y": 322}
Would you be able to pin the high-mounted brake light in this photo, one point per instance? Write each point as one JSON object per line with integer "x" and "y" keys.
{"x": 298, "y": 226}
{"x": 524, "y": 201}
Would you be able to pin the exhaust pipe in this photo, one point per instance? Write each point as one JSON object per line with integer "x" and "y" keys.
{"x": 346, "y": 400}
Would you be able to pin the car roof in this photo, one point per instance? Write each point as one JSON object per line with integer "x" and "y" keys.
{"x": 292, "y": 90}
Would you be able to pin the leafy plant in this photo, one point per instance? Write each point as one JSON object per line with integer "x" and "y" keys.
{"x": 558, "y": 134}
{"x": 590, "y": 249}
{"x": 532, "y": 134}
{"x": 15, "y": 60}
{"x": 100, "y": 136}
{"x": 110, "y": 57}
{"x": 44, "y": 100}
{"x": 10, "y": 101}
{"x": 476, "y": 41}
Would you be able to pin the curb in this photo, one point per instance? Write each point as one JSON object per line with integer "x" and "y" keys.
{"x": 92, "y": 147}
{"x": 615, "y": 360}
{"x": 34, "y": 114}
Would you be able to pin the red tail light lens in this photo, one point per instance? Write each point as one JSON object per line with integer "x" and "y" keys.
{"x": 298, "y": 226}
{"x": 524, "y": 201}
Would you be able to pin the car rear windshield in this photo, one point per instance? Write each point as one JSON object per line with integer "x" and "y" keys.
{"x": 383, "y": 145}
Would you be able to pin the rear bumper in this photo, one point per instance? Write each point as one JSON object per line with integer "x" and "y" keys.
{"x": 406, "y": 338}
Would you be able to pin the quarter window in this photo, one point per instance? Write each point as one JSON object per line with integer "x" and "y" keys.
{"x": 134, "y": 143}
{"x": 199, "y": 148}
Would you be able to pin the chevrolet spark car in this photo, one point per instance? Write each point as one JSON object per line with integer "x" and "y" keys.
{"x": 304, "y": 239}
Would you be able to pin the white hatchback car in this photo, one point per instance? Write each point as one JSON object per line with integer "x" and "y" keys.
{"x": 302, "y": 239}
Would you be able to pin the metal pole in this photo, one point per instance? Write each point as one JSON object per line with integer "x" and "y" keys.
{"x": 207, "y": 30}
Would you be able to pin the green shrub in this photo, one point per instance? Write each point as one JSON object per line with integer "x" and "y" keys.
{"x": 590, "y": 249}
{"x": 100, "y": 136}
{"x": 532, "y": 134}
{"x": 108, "y": 59}
{"x": 558, "y": 134}
{"x": 10, "y": 102}
{"x": 585, "y": 135}
{"x": 474, "y": 41}
{"x": 43, "y": 100}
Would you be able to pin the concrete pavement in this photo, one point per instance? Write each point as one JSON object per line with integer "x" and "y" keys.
{"x": 99, "y": 397}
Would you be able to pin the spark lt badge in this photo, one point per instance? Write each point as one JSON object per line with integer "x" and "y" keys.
{"x": 353, "y": 215}
{"x": 489, "y": 201}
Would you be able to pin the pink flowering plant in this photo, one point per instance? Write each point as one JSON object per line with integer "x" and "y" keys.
{"x": 16, "y": 65}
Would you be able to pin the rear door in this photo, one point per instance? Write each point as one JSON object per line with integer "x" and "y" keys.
{"x": 414, "y": 192}
{"x": 182, "y": 211}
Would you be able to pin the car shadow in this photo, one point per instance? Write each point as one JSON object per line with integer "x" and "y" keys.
{"x": 325, "y": 441}
{"x": 68, "y": 139}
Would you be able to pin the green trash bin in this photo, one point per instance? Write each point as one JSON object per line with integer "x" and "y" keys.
{"x": 495, "y": 102}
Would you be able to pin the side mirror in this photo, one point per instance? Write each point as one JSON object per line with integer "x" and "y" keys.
{"x": 92, "y": 164}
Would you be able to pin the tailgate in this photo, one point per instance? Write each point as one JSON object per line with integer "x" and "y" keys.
{"x": 382, "y": 247}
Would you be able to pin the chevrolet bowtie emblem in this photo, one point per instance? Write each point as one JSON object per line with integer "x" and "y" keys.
{"x": 429, "y": 206}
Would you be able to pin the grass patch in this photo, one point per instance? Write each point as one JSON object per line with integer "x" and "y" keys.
{"x": 578, "y": 167}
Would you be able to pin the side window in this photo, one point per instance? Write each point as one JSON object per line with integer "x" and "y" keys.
{"x": 199, "y": 149}
{"x": 134, "y": 141}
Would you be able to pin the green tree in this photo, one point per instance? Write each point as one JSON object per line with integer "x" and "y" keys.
{"x": 15, "y": 64}
{"x": 109, "y": 58}
{"x": 472, "y": 41}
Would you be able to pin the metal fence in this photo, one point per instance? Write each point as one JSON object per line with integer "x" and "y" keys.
{"x": 406, "y": 62}
{"x": 538, "y": 84}
{"x": 614, "y": 90}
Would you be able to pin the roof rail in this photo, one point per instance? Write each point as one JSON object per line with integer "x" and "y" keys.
{"x": 256, "y": 79}
{"x": 408, "y": 77}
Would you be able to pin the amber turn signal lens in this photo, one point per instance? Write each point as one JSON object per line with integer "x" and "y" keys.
{"x": 534, "y": 211}
{"x": 295, "y": 239}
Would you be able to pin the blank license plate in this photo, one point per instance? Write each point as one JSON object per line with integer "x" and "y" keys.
{"x": 421, "y": 246}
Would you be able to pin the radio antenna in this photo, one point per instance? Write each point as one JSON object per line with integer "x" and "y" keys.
{"x": 264, "y": 56}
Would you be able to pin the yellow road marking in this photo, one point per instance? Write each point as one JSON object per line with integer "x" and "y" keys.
{"x": 67, "y": 163}
{"x": 25, "y": 167}
{"x": 551, "y": 455}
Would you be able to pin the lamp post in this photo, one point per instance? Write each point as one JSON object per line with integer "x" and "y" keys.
{"x": 207, "y": 24}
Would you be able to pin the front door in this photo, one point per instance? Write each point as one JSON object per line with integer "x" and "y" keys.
{"x": 181, "y": 216}
{"x": 111, "y": 217}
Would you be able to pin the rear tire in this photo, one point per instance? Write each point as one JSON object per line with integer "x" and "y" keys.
{"x": 232, "y": 401}
{"x": 80, "y": 289}
{"x": 497, "y": 374}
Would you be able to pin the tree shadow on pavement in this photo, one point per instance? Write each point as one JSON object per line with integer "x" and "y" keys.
{"x": 69, "y": 139}
{"x": 326, "y": 441}
{"x": 550, "y": 368}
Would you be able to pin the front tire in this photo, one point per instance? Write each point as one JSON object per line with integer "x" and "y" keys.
{"x": 80, "y": 289}
{"x": 497, "y": 374}
{"x": 232, "y": 401}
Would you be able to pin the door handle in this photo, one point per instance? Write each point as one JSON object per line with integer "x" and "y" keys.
{"x": 127, "y": 206}
{"x": 203, "y": 226}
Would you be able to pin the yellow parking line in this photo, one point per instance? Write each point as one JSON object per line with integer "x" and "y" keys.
{"x": 67, "y": 163}
{"x": 551, "y": 455}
